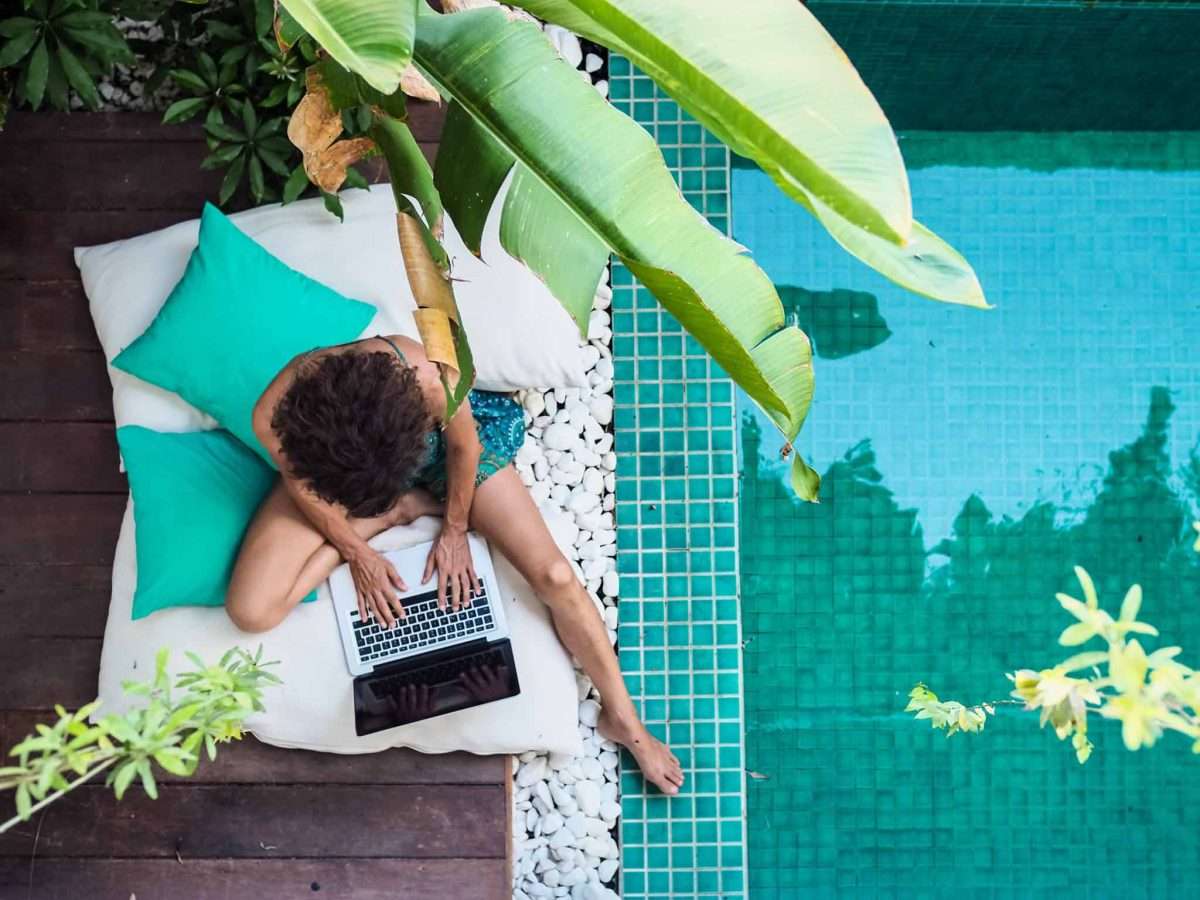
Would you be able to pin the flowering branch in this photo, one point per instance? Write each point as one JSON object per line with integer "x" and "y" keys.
{"x": 1147, "y": 693}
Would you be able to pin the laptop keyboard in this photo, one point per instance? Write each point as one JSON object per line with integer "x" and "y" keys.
{"x": 424, "y": 626}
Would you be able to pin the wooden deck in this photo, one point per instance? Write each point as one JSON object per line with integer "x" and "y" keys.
{"x": 261, "y": 823}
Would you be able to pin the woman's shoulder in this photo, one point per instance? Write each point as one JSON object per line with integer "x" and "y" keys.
{"x": 427, "y": 374}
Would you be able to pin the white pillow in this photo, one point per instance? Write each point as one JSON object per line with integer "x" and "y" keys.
{"x": 313, "y": 708}
{"x": 521, "y": 336}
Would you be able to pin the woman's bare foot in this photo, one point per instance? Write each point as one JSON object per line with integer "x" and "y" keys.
{"x": 412, "y": 505}
{"x": 658, "y": 764}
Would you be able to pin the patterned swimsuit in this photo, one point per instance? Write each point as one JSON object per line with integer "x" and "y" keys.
{"x": 501, "y": 426}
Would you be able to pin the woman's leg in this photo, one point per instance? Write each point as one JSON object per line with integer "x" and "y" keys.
{"x": 283, "y": 557}
{"x": 504, "y": 513}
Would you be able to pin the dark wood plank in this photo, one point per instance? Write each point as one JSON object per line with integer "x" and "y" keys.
{"x": 39, "y": 672}
{"x": 45, "y": 315}
{"x": 55, "y": 385}
{"x": 266, "y": 821}
{"x": 128, "y": 127}
{"x": 49, "y": 457}
{"x": 251, "y": 762}
{"x": 425, "y": 120}
{"x": 39, "y": 176}
{"x": 37, "y": 245}
{"x": 53, "y": 601}
{"x": 59, "y": 529}
{"x": 261, "y": 879}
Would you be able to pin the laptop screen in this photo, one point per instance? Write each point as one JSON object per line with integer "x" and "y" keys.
{"x": 403, "y": 692}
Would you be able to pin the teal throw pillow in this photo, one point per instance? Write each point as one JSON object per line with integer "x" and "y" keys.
{"x": 194, "y": 495}
{"x": 236, "y": 318}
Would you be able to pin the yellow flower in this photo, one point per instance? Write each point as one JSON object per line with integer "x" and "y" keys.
{"x": 1139, "y": 716}
{"x": 1062, "y": 699}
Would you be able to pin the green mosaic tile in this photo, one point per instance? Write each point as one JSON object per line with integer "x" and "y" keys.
{"x": 676, "y": 526}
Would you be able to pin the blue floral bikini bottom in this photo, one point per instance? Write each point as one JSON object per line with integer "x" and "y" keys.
{"x": 501, "y": 426}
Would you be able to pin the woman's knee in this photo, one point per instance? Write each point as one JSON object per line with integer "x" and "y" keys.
{"x": 254, "y": 614}
{"x": 554, "y": 579}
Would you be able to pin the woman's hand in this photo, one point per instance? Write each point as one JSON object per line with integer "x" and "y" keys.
{"x": 451, "y": 557}
{"x": 376, "y": 582}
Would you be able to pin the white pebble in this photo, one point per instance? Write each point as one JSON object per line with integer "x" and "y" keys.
{"x": 577, "y": 825}
{"x": 612, "y": 583}
{"x": 535, "y": 403}
{"x": 601, "y": 409}
{"x": 587, "y": 795}
{"x": 581, "y": 501}
{"x": 552, "y": 821}
{"x": 592, "y": 770}
{"x": 593, "y": 481}
{"x": 596, "y": 828}
{"x": 608, "y": 868}
{"x": 531, "y": 771}
{"x": 609, "y": 812}
{"x": 560, "y": 436}
{"x": 589, "y": 713}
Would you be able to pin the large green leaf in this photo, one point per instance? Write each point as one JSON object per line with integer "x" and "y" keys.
{"x": 924, "y": 264}
{"x": 468, "y": 157}
{"x": 371, "y": 37}
{"x": 768, "y": 80}
{"x": 600, "y": 181}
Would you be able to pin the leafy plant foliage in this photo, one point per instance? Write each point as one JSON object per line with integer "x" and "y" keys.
{"x": 59, "y": 48}
{"x": 242, "y": 84}
{"x": 205, "y": 707}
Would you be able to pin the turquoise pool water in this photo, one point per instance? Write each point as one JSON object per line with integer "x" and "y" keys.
{"x": 969, "y": 460}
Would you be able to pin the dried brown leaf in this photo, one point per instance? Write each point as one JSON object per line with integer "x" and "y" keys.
{"x": 327, "y": 169}
{"x": 314, "y": 124}
{"x": 416, "y": 85}
{"x": 437, "y": 315}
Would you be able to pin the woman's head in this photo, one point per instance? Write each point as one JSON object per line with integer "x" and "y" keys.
{"x": 353, "y": 427}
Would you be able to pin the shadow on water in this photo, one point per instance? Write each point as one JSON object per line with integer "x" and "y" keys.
{"x": 839, "y": 322}
{"x": 844, "y": 610}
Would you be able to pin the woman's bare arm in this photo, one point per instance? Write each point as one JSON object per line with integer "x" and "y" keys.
{"x": 450, "y": 555}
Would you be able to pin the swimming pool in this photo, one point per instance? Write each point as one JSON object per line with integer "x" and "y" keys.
{"x": 969, "y": 459}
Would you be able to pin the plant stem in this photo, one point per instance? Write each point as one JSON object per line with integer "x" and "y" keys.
{"x": 50, "y": 798}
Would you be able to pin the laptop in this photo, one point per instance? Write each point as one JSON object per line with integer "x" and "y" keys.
{"x": 431, "y": 662}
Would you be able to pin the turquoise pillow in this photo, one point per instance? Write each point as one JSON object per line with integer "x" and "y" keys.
{"x": 236, "y": 318}
{"x": 194, "y": 495}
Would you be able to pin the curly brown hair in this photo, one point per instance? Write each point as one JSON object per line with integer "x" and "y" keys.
{"x": 352, "y": 425}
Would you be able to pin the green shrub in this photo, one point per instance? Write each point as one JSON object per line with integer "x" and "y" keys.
{"x": 58, "y": 48}
{"x": 208, "y": 707}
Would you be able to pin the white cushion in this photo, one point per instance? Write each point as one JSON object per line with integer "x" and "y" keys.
{"x": 521, "y": 336}
{"x": 313, "y": 708}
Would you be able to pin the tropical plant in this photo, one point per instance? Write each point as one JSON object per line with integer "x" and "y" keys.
{"x": 587, "y": 182}
{"x": 58, "y": 48}
{"x": 242, "y": 84}
{"x": 168, "y": 730}
{"x": 1148, "y": 693}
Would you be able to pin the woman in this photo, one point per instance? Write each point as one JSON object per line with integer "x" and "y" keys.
{"x": 357, "y": 432}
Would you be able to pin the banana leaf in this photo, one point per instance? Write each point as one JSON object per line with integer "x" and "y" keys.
{"x": 602, "y": 182}
{"x": 371, "y": 37}
{"x": 769, "y": 81}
